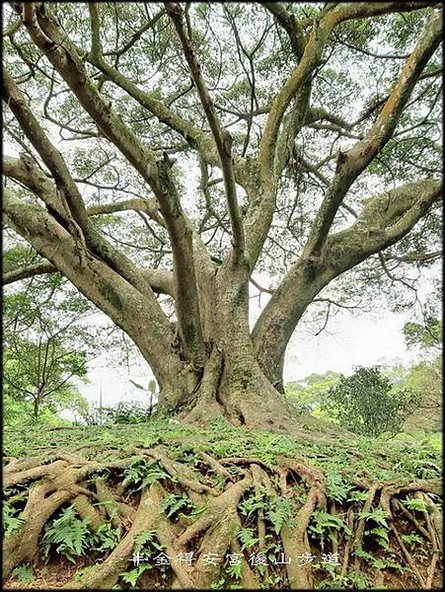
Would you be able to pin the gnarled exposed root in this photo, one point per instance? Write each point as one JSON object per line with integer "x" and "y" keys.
{"x": 232, "y": 496}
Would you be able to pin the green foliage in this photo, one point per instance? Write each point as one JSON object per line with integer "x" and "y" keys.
{"x": 310, "y": 394}
{"x": 247, "y": 538}
{"x": 376, "y": 515}
{"x": 412, "y": 539}
{"x": 73, "y": 536}
{"x": 323, "y": 525}
{"x": 343, "y": 457}
{"x": 336, "y": 487}
{"x": 146, "y": 542}
{"x": 355, "y": 580}
{"x": 106, "y": 537}
{"x": 132, "y": 576}
{"x": 124, "y": 412}
{"x": 366, "y": 404}
{"x": 42, "y": 356}
{"x": 69, "y": 533}
{"x": 11, "y": 519}
{"x": 142, "y": 473}
{"x": 39, "y": 375}
{"x": 381, "y": 535}
{"x": 234, "y": 571}
{"x": 251, "y": 504}
{"x": 279, "y": 511}
{"x": 426, "y": 335}
{"x": 177, "y": 504}
{"x": 425, "y": 379}
{"x": 393, "y": 459}
{"x": 129, "y": 412}
{"x": 358, "y": 496}
{"x": 145, "y": 545}
{"x": 415, "y": 504}
{"x": 24, "y": 573}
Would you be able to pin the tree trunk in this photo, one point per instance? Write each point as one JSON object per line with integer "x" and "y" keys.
{"x": 36, "y": 409}
{"x": 231, "y": 384}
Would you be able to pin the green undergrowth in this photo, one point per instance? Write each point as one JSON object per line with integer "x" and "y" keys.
{"x": 404, "y": 457}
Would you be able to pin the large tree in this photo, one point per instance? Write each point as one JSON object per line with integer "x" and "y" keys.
{"x": 302, "y": 139}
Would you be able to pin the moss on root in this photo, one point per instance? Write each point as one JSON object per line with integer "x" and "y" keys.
{"x": 229, "y": 507}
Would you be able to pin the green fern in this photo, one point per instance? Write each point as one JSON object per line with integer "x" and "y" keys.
{"x": 279, "y": 511}
{"x": 234, "y": 571}
{"x": 377, "y": 515}
{"x": 249, "y": 505}
{"x": 381, "y": 535}
{"x": 322, "y": 523}
{"x": 174, "y": 503}
{"x": 69, "y": 533}
{"x": 247, "y": 538}
{"x": 105, "y": 537}
{"x": 411, "y": 539}
{"x": 357, "y": 496}
{"x": 140, "y": 474}
{"x": 415, "y": 504}
{"x": 336, "y": 487}
{"x": 132, "y": 576}
{"x": 145, "y": 541}
{"x": 24, "y": 573}
{"x": 11, "y": 519}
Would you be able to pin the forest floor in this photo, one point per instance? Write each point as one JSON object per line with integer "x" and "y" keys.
{"x": 165, "y": 505}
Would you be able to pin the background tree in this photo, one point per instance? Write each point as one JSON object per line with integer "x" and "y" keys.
{"x": 426, "y": 377}
{"x": 310, "y": 395}
{"x": 366, "y": 403}
{"x": 427, "y": 335}
{"x": 46, "y": 343}
{"x": 43, "y": 374}
{"x": 302, "y": 168}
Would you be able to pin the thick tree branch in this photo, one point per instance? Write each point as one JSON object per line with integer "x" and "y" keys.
{"x": 28, "y": 271}
{"x": 309, "y": 60}
{"x": 385, "y": 220}
{"x": 160, "y": 280}
{"x": 99, "y": 283}
{"x": 274, "y": 147}
{"x": 222, "y": 138}
{"x": 137, "y": 204}
{"x": 70, "y": 205}
{"x": 290, "y": 24}
{"x": 64, "y": 56}
{"x": 345, "y": 11}
{"x": 192, "y": 134}
{"x": 260, "y": 215}
{"x": 352, "y": 162}
{"x": 181, "y": 234}
{"x": 62, "y": 53}
{"x": 26, "y": 172}
{"x": 63, "y": 200}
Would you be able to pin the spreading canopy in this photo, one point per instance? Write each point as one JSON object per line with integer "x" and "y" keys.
{"x": 169, "y": 152}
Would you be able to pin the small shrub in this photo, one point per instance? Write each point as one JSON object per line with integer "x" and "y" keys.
{"x": 365, "y": 403}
